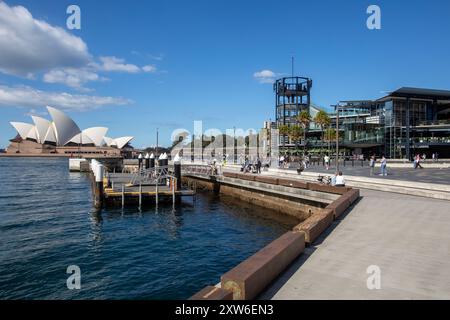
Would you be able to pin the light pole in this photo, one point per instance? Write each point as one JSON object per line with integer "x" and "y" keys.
{"x": 234, "y": 146}
{"x": 157, "y": 142}
{"x": 337, "y": 137}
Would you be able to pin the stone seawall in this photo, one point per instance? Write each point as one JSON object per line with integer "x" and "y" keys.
{"x": 314, "y": 205}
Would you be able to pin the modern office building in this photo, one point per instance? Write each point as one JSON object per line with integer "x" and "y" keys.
{"x": 62, "y": 136}
{"x": 405, "y": 122}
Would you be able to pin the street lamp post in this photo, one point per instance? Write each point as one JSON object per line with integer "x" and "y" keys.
{"x": 157, "y": 142}
{"x": 234, "y": 146}
{"x": 337, "y": 137}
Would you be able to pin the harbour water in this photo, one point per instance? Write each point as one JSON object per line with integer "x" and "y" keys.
{"x": 47, "y": 223}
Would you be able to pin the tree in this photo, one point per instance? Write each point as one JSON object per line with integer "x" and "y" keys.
{"x": 283, "y": 131}
{"x": 322, "y": 119}
{"x": 330, "y": 134}
{"x": 304, "y": 119}
{"x": 294, "y": 133}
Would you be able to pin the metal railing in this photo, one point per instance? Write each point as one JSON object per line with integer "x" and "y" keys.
{"x": 153, "y": 175}
{"x": 201, "y": 170}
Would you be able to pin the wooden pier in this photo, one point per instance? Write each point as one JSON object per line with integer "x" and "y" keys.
{"x": 117, "y": 187}
{"x": 148, "y": 186}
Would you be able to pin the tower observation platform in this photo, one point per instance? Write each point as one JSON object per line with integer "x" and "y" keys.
{"x": 292, "y": 96}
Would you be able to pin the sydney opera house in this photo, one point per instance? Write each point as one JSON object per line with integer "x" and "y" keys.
{"x": 62, "y": 136}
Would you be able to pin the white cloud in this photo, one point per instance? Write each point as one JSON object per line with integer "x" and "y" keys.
{"x": 113, "y": 64}
{"x": 29, "y": 45}
{"x": 30, "y": 97}
{"x": 74, "y": 78}
{"x": 265, "y": 76}
{"x": 149, "y": 68}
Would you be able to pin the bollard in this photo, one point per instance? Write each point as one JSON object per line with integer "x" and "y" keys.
{"x": 147, "y": 161}
{"x": 152, "y": 161}
{"x": 139, "y": 162}
{"x": 140, "y": 196}
{"x": 177, "y": 172}
{"x": 98, "y": 192}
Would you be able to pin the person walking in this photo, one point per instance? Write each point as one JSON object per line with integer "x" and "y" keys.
{"x": 418, "y": 165}
{"x": 258, "y": 165}
{"x": 281, "y": 162}
{"x": 306, "y": 161}
{"x": 326, "y": 159}
{"x": 383, "y": 166}
{"x": 372, "y": 165}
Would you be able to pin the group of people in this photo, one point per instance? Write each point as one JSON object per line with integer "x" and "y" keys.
{"x": 383, "y": 165}
{"x": 252, "y": 167}
{"x": 337, "y": 180}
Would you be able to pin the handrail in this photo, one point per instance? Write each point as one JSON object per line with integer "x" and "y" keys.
{"x": 202, "y": 170}
{"x": 151, "y": 175}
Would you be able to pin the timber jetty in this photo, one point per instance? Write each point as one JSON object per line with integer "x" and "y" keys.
{"x": 149, "y": 183}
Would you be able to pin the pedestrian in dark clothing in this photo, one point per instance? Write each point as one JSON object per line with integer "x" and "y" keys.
{"x": 258, "y": 165}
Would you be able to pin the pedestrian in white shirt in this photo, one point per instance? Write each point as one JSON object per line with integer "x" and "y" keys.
{"x": 326, "y": 159}
{"x": 340, "y": 181}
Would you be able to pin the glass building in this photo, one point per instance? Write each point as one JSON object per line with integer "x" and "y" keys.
{"x": 406, "y": 122}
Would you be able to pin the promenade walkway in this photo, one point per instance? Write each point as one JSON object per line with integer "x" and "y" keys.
{"x": 406, "y": 236}
{"x": 428, "y": 175}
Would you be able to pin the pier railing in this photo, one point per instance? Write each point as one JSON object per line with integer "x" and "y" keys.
{"x": 201, "y": 170}
{"x": 151, "y": 175}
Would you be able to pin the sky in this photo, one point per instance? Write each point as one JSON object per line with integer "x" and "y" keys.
{"x": 135, "y": 66}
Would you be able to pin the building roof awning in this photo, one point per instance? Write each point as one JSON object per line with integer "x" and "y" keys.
{"x": 419, "y": 93}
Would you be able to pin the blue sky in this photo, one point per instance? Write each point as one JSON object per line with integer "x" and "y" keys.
{"x": 139, "y": 65}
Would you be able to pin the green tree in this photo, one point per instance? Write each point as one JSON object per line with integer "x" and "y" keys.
{"x": 304, "y": 119}
{"x": 283, "y": 131}
{"x": 330, "y": 134}
{"x": 322, "y": 119}
{"x": 294, "y": 133}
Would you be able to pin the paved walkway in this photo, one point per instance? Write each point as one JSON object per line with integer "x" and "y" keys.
{"x": 407, "y": 237}
{"x": 429, "y": 175}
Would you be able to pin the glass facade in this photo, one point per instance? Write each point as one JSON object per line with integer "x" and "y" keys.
{"x": 383, "y": 126}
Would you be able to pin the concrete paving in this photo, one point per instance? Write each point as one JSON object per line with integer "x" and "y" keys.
{"x": 407, "y": 237}
{"x": 428, "y": 175}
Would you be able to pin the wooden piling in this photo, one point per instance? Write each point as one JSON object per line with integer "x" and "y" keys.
{"x": 173, "y": 189}
{"x": 140, "y": 196}
{"x": 156, "y": 195}
{"x": 123, "y": 196}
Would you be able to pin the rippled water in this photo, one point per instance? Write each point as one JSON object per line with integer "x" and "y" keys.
{"x": 47, "y": 224}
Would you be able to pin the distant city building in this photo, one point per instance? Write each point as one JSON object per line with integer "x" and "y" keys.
{"x": 405, "y": 122}
{"x": 62, "y": 136}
